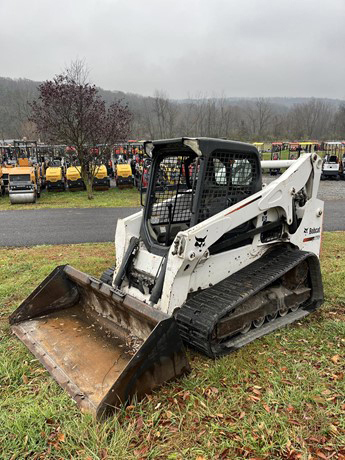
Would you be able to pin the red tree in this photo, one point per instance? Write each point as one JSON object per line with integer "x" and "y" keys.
{"x": 71, "y": 111}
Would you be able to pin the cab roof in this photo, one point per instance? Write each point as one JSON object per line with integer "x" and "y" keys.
{"x": 202, "y": 146}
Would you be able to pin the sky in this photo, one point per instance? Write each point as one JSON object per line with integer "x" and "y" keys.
{"x": 186, "y": 48}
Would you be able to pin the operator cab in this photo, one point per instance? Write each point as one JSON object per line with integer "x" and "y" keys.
{"x": 190, "y": 181}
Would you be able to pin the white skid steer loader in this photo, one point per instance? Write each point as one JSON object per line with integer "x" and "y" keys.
{"x": 213, "y": 259}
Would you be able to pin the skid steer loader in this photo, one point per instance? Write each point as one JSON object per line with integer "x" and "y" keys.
{"x": 213, "y": 259}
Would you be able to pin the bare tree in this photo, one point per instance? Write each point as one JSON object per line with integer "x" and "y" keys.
{"x": 165, "y": 112}
{"x": 264, "y": 115}
{"x": 78, "y": 72}
{"x": 250, "y": 119}
{"x": 311, "y": 119}
{"x": 259, "y": 114}
{"x": 339, "y": 121}
{"x": 226, "y": 118}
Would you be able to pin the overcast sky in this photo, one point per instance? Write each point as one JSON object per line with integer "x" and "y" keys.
{"x": 184, "y": 47}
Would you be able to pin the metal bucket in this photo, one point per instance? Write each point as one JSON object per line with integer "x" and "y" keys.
{"x": 102, "y": 346}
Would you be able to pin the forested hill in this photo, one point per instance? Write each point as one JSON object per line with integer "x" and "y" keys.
{"x": 158, "y": 116}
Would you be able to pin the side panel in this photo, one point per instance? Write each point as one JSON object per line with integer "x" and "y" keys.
{"x": 125, "y": 229}
{"x": 220, "y": 266}
{"x": 308, "y": 234}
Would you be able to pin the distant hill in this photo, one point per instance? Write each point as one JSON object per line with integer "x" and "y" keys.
{"x": 280, "y": 101}
{"x": 157, "y": 116}
{"x": 14, "y": 95}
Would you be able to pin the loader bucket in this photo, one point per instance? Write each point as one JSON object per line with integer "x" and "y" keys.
{"x": 101, "y": 346}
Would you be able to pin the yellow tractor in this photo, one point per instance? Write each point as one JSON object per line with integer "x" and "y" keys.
{"x": 25, "y": 162}
{"x": 74, "y": 180}
{"x": 55, "y": 179}
{"x": 123, "y": 175}
{"x": 101, "y": 180}
{"x": 23, "y": 185}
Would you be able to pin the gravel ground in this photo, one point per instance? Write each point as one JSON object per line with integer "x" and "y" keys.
{"x": 328, "y": 190}
{"x": 332, "y": 190}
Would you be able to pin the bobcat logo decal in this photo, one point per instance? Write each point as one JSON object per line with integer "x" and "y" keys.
{"x": 200, "y": 242}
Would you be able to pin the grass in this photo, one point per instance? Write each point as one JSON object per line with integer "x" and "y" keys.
{"x": 282, "y": 396}
{"x": 102, "y": 199}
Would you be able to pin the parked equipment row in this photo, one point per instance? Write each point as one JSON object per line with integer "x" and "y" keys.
{"x": 23, "y": 181}
{"x": 58, "y": 178}
{"x": 333, "y": 167}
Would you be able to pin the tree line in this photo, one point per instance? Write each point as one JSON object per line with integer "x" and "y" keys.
{"x": 159, "y": 116}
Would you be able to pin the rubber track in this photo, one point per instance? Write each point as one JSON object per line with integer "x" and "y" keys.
{"x": 198, "y": 317}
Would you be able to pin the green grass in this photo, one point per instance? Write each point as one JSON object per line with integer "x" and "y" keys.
{"x": 107, "y": 198}
{"x": 282, "y": 396}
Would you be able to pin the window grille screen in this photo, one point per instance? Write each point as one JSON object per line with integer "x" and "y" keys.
{"x": 174, "y": 187}
{"x": 229, "y": 178}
